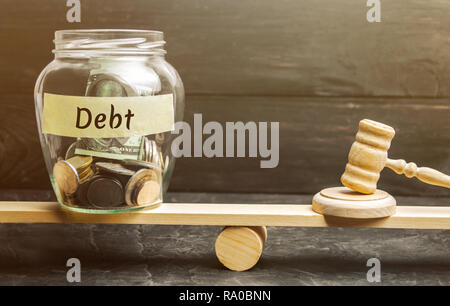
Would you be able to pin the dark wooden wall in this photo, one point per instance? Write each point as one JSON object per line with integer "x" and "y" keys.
{"x": 316, "y": 66}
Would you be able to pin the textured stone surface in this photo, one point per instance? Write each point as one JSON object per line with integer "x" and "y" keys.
{"x": 35, "y": 254}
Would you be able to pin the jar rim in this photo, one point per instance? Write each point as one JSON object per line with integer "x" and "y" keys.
{"x": 103, "y": 31}
{"x": 109, "y": 41}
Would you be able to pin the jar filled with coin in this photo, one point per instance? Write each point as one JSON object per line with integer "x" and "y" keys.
{"x": 105, "y": 107}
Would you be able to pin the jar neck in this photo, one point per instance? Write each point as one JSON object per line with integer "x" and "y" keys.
{"x": 108, "y": 43}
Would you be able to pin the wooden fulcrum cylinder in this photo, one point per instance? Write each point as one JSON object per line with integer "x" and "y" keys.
{"x": 239, "y": 247}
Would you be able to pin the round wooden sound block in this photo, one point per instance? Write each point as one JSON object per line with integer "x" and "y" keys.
{"x": 346, "y": 203}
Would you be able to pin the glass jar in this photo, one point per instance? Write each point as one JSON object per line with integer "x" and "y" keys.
{"x": 105, "y": 107}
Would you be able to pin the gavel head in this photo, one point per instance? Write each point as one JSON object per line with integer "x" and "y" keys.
{"x": 368, "y": 156}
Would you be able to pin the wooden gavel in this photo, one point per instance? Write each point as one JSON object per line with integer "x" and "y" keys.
{"x": 368, "y": 156}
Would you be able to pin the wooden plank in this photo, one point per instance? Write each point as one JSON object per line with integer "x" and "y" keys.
{"x": 418, "y": 217}
{"x": 315, "y": 138}
{"x": 248, "y": 47}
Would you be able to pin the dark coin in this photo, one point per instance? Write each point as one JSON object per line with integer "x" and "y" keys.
{"x": 104, "y": 192}
{"x": 81, "y": 194}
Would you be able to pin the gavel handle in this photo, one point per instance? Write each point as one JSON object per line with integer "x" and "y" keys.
{"x": 425, "y": 174}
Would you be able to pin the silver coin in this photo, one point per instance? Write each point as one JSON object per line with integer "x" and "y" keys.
{"x": 147, "y": 149}
{"x": 139, "y": 164}
{"x": 114, "y": 168}
{"x": 157, "y": 156}
{"x": 149, "y": 157}
{"x": 150, "y": 151}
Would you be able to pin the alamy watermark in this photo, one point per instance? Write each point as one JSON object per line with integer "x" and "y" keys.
{"x": 374, "y": 13}
{"x": 74, "y": 12}
{"x": 228, "y": 141}
{"x": 73, "y": 275}
{"x": 374, "y": 273}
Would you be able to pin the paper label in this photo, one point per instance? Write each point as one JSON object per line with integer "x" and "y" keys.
{"x": 106, "y": 117}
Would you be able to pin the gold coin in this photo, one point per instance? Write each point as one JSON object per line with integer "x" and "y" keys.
{"x": 160, "y": 156}
{"x": 80, "y": 162}
{"x": 136, "y": 180}
{"x": 85, "y": 174}
{"x": 147, "y": 191}
{"x": 66, "y": 177}
{"x": 70, "y": 199}
{"x": 148, "y": 150}
{"x": 166, "y": 165}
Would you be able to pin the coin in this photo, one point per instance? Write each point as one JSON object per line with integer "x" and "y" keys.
{"x": 136, "y": 182}
{"x": 71, "y": 151}
{"x": 154, "y": 157}
{"x": 66, "y": 177}
{"x": 80, "y": 162}
{"x": 67, "y": 173}
{"x": 114, "y": 168}
{"x": 85, "y": 174}
{"x": 152, "y": 153}
{"x": 157, "y": 156}
{"x": 105, "y": 191}
{"x": 70, "y": 199}
{"x": 147, "y": 191}
{"x": 166, "y": 165}
{"x": 138, "y": 164}
{"x": 161, "y": 160}
{"x": 81, "y": 194}
{"x": 147, "y": 149}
